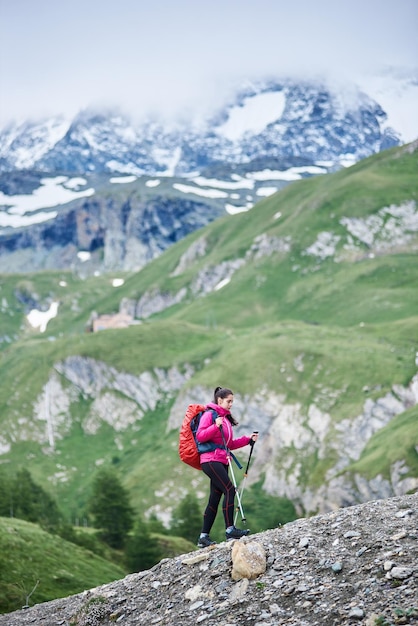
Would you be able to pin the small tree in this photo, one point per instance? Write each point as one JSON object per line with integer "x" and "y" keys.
{"x": 187, "y": 518}
{"x": 142, "y": 551}
{"x": 6, "y": 496}
{"x": 32, "y": 503}
{"x": 156, "y": 526}
{"x": 111, "y": 508}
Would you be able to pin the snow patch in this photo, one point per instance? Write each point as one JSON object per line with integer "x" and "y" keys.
{"x": 75, "y": 183}
{"x": 117, "y": 282}
{"x": 240, "y": 183}
{"x": 83, "y": 256}
{"x": 16, "y": 221}
{"x": 52, "y": 193}
{"x": 40, "y": 319}
{"x": 293, "y": 173}
{"x": 266, "y": 191}
{"x": 207, "y": 193}
{"x": 124, "y": 168}
{"x": 347, "y": 160}
{"x": 274, "y": 175}
{"x": 398, "y": 97}
{"x": 222, "y": 283}
{"x": 255, "y": 113}
{"x": 153, "y": 183}
{"x": 233, "y": 210}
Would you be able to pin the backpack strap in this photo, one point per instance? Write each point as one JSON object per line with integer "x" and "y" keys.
{"x": 228, "y": 451}
{"x": 208, "y": 446}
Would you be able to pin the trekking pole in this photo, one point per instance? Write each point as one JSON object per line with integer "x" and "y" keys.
{"x": 237, "y": 494}
{"x": 233, "y": 477}
{"x": 252, "y": 442}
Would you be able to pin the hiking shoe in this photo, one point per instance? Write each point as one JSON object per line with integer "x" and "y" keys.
{"x": 236, "y": 533}
{"x": 205, "y": 542}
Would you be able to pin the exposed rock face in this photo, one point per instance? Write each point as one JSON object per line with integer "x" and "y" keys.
{"x": 288, "y": 435}
{"x": 118, "y": 398}
{"x": 194, "y": 251}
{"x": 155, "y": 301}
{"x": 354, "y": 565}
{"x": 209, "y": 278}
{"x": 127, "y": 231}
{"x": 92, "y": 377}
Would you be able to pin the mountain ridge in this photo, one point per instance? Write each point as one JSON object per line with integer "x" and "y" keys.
{"x": 307, "y": 120}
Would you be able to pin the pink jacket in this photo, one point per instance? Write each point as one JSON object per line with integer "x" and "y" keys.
{"x": 209, "y": 431}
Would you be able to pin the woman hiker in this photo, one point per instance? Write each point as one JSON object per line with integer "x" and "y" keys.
{"x": 215, "y": 463}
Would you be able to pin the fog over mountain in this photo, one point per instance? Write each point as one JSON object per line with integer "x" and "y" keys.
{"x": 59, "y": 59}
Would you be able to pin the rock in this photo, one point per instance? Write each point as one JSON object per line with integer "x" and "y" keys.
{"x": 239, "y": 590}
{"x": 351, "y": 534}
{"x": 192, "y": 560}
{"x": 401, "y": 572}
{"x": 248, "y": 560}
{"x": 404, "y": 513}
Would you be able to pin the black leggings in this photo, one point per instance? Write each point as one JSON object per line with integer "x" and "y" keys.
{"x": 220, "y": 483}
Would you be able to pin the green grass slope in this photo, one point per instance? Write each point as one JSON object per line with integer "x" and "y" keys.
{"x": 30, "y": 557}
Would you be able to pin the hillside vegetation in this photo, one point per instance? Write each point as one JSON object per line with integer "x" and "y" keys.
{"x": 306, "y": 306}
{"x": 32, "y": 560}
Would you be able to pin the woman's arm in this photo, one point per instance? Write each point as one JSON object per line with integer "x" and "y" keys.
{"x": 242, "y": 441}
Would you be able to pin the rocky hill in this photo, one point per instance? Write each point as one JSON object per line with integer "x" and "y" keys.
{"x": 357, "y": 565}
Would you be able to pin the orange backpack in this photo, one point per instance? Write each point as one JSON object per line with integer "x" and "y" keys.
{"x": 188, "y": 446}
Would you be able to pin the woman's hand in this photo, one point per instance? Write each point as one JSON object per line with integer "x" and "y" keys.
{"x": 219, "y": 421}
{"x": 254, "y": 436}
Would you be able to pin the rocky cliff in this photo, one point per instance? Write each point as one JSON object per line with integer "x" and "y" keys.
{"x": 110, "y": 230}
{"x": 289, "y": 434}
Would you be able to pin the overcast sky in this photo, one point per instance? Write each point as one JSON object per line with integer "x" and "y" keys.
{"x": 59, "y": 57}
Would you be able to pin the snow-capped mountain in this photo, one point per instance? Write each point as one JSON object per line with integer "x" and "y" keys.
{"x": 271, "y": 120}
{"x": 61, "y": 203}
